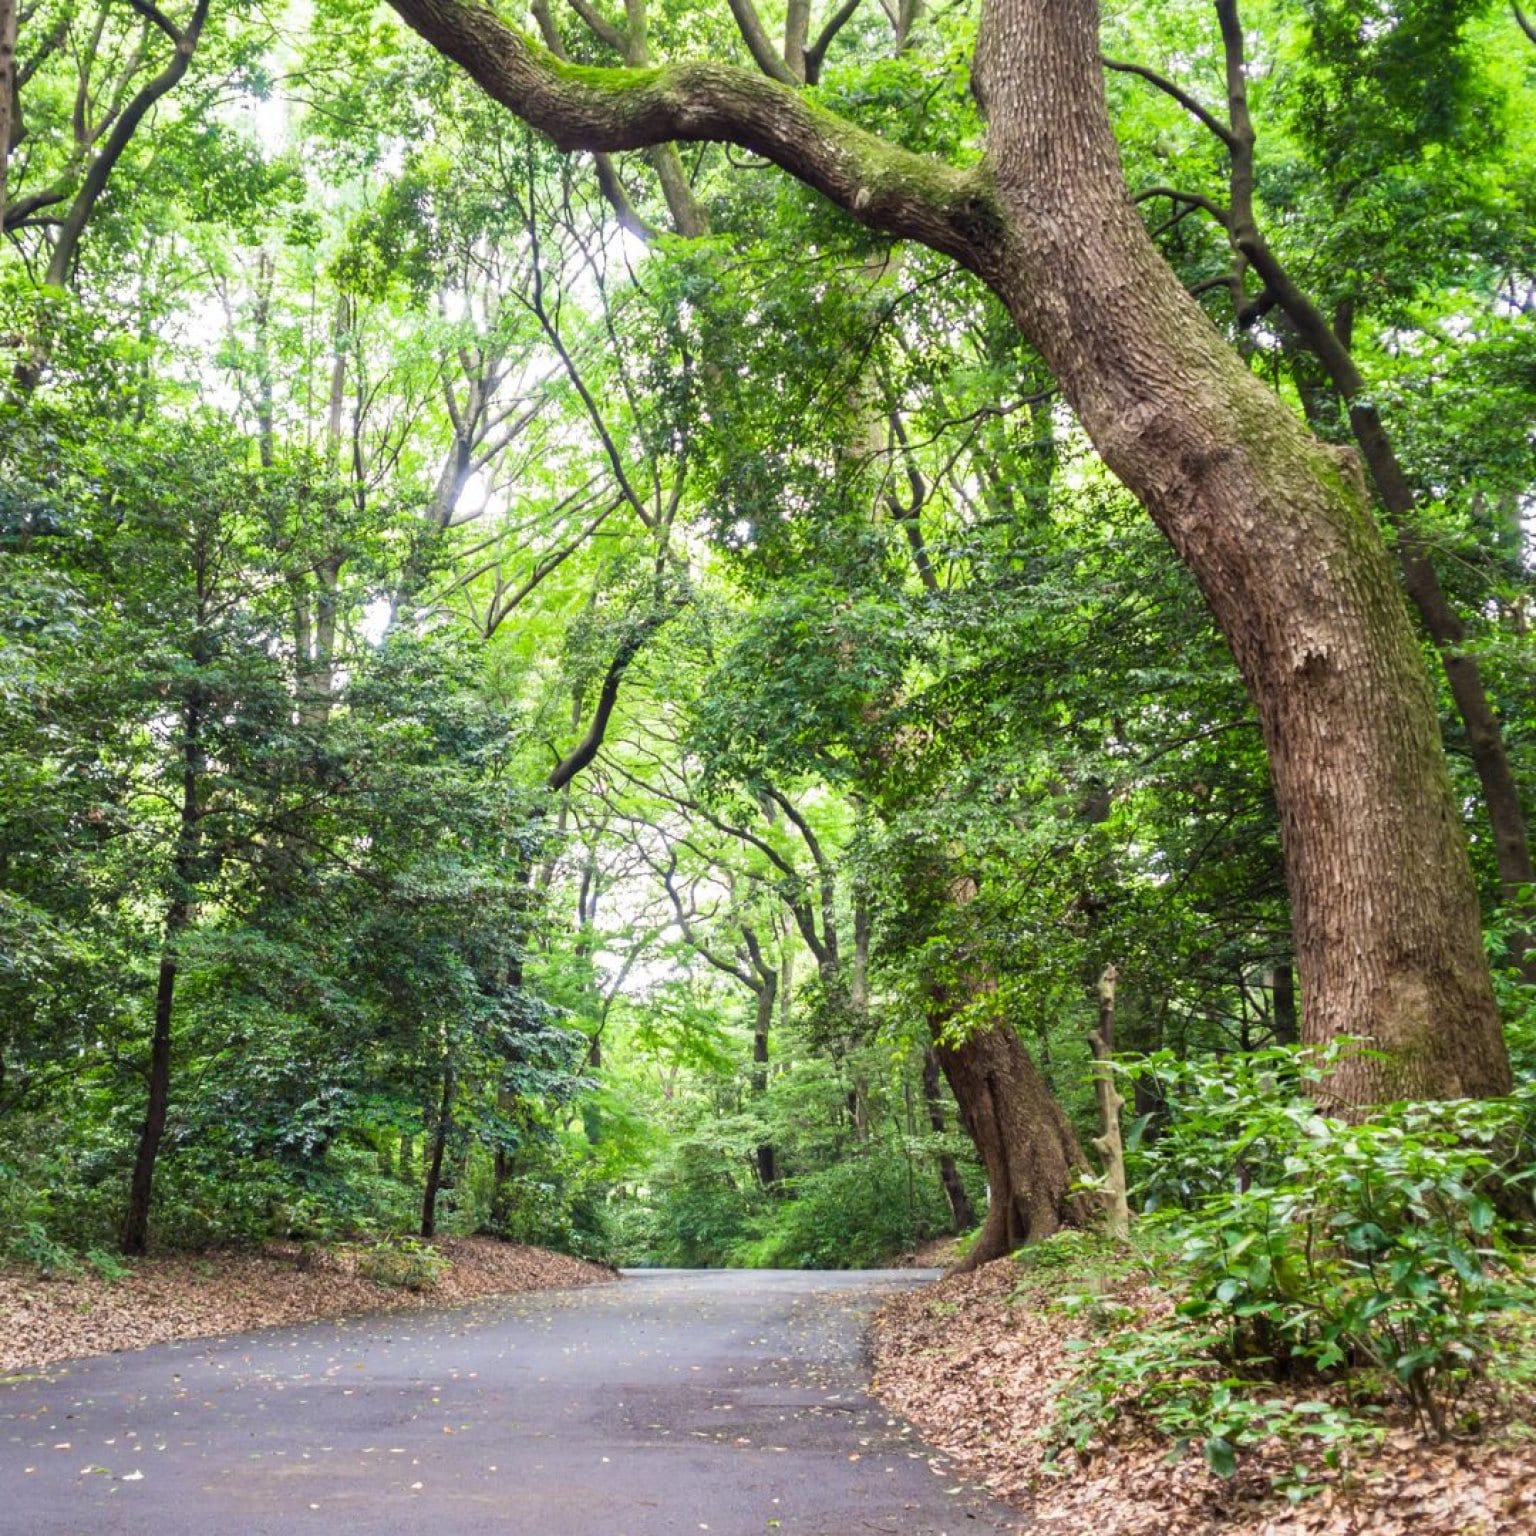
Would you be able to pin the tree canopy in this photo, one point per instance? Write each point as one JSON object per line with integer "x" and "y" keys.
{"x": 559, "y": 680}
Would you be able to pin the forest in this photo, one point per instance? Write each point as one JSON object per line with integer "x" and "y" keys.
{"x": 756, "y": 635}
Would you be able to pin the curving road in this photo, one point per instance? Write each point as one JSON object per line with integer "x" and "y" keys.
{"x": 726, "y": 1401}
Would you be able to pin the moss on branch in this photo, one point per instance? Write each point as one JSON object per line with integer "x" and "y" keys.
{"x": 581, "y": 107}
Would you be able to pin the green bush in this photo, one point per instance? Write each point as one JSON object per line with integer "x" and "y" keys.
{"x": 403, "y": 1263}
{"x": 852, "y": 1215}
{"x": 558, "y": 1198}
{"x": 1307, "y": 1250}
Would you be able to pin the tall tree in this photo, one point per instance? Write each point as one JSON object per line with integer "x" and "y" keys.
{"x": 1275, "y": 526}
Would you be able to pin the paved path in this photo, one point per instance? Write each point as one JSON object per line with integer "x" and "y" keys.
{"x": 678, "y": 1402}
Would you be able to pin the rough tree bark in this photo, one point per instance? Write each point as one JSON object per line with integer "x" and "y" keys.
{"x": 1275, "y": 526}
{"x": 1027, "y": 1145}
{"x": 1346, "y": 391}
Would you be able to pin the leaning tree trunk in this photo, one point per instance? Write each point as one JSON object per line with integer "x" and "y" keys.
{"x": 1277, "y": 531}
{"x": 1026, "y": 1142}
{"x": 1275, "y": 527}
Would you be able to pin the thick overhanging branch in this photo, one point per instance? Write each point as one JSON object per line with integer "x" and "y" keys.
{"x": 581, "y": 108}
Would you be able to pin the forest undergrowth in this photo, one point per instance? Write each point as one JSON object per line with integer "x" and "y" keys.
{"x": 1314, "y": 1326}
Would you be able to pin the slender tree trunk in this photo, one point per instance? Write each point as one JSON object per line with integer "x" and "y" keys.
{"x": 7, "y": 94}
{"x": 439, "y": 1151}
{"x": 178, "y": 919}
{"x": 962, "y": 1214}
{"x": 1111, "y": 1150}
{"x": 1276, "y": 528}
{"x": 152, "y": 1132}
{"x": 767, "y": 998}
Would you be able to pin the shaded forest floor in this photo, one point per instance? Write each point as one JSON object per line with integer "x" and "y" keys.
{"x": 976, "y": 1362}
{"x": 188, "y": 1296}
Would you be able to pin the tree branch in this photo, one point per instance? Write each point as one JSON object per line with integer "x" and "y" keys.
{"x": 755, "y": 36}
{"x": 816, "y": 54}
{"x": 154, "y": 14}
{"x": 1178, "y": 93}
{"x": 608, "y": 180}
{"x": 599, "y": 26}
{"x": 583, "y": 753}
{"x": 1193, "y": 199}
{"x": 884, "y": 187}
{"x": 103, "y": 165}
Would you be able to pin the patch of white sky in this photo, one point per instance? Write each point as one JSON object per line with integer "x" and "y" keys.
{"x": 271, "y": 117}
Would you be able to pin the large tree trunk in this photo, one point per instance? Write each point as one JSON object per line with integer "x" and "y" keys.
{"x": 1028, "y": 1146}
{"x": 1277, "y": 530}
{"x": 1333, "y": 378}
{"x": 1275, "y": 527}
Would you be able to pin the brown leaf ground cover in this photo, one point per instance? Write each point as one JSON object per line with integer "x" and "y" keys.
{"x": 193, "y": 1296}
{"x": 976, "y": 1362}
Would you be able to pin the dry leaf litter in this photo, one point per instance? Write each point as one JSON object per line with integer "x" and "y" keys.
{"x": 977, "y": 1360}
{"x": 194, "y": 1296}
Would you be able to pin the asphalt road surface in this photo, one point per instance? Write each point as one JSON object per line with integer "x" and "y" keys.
{"x": 723, "y": 1401}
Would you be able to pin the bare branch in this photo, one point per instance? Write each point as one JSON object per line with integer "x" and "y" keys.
{"x": 1178, "y": 93}
{"x": 629, "y": 647}
{"x": 599, "y": 26}
{"x": 103, "y": 165}
{"x": 755, "y": 35}
{"x": 154, "y": 14}
{"x": 816, "y": 54}
{"x": 1192, "y": 199}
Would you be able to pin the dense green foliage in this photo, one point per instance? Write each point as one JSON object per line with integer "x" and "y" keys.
{"x": 362, "y": 455}
{"x": 1317, "y": 1269}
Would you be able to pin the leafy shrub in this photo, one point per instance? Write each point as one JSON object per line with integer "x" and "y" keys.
{"x": 557, "y": 1198}
{"x": 404, "y": 1263}
{"x": 30, "y": 1244}
{"x": 1308, "y": 1249}
{"x": 851, "y": 1215}
{"x": 108, "y": 1266}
